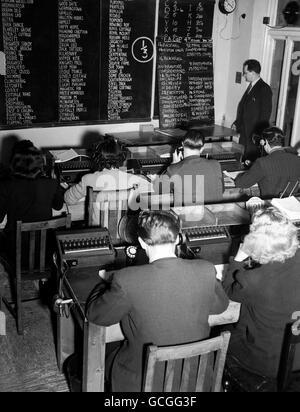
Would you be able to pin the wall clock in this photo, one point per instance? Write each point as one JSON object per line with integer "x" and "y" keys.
{"x": 227, "y": 6}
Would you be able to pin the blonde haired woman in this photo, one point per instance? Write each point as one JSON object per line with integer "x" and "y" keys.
{"x": 265, "y": 277}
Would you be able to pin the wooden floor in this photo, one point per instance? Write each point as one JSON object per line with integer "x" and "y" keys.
{"x": 28, "y": 362}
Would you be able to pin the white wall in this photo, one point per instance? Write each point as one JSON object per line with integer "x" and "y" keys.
{"x": 247, "y": 43}
{"x": 245, "y": 40}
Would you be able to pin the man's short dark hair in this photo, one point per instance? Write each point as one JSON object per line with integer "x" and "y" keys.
{"x": 193, "y": 140}
{"x": 274, "y": 136}
{"x": 158, "y": 227}
{"x": 253, "y": 66}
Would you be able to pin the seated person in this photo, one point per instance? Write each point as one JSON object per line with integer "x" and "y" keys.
{"x": 199, "y": 180}
{"x": 108, "y": 157}
{"x": 275, "y": 173}
{"x": 268, "y": 287}
{"x": 165, "y": 302}
{"x": 26, "y": 194}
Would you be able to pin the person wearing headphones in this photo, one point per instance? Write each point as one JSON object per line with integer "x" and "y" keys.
{"x": 165, "y": 302}
{"x": 276, "y": 174}
{"x": 187, "y": 166}
{"x": 108, "y": 158}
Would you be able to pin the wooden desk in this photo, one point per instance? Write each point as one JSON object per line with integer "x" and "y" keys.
{"x": 95, "y": 337}
{"x": 171, "y": 136}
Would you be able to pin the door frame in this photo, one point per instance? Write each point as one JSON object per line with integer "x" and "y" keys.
{"x": 289, "y": 35}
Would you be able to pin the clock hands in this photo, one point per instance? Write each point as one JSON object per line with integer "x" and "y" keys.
{"x": 230, "y": 5}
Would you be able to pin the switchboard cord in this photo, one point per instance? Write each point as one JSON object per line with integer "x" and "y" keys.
{"x": 60, "y": 305}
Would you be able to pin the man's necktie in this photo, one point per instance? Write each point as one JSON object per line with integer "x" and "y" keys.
{"x": 249, "y": 88}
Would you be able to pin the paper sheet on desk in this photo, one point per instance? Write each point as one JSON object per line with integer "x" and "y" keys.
{"x": 64, "y": 155}
{"x": 228, "y": 182}
{"x": 289, "y": 206}
{"x": 221, "y": 270}
{"x": 232, "y": 175}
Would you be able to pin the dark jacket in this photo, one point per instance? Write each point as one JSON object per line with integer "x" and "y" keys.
{"x": 269, "y": 294}
{"x": 28, "y": 200}
{"x": 253, "y": 115}
{"x": 272, "y": 173}
{"x": 196, "y": 166}
{"x": 166, "y": 302}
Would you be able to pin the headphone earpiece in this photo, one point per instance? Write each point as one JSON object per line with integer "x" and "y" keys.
{"x": 263, "y": 142}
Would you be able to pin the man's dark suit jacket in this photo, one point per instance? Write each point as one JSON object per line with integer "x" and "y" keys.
{"x": 269, "y": 295}
{"x": 166, "y": 302}
{"x": 196, "y": 166}
{"x": 272, "y": 173}
{"x": 253, "y": 115}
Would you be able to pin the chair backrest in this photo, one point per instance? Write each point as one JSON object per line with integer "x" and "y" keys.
{"x": 36, "y": 242}
{"x": 291, "y": 340}
{"x": 106, "y": 208}
{"x": 210, "y": 357}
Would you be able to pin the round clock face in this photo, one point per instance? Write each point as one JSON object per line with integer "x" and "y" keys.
{"x": 227, "y": 6}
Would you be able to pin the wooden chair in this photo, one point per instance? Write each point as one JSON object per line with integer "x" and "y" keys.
{"x": 210, "y": 353}
{"x": 286, "y": 373}
{"x": 238, "y": 379}
{"x": 106, "y": 209}
{"x": 32, "y": 250}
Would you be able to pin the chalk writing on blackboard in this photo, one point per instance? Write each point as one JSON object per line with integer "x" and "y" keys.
{"x": 185, "y": 82}
{"x": 185, "y": 19}
{"x": 75, "y": 61}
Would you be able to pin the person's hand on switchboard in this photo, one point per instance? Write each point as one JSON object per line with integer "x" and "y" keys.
{"x": 64, "y": 185}
{"x": 102, "y": 274}
{"x": 177, "y": 156}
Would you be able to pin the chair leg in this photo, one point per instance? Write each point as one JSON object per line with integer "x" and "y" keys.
{"x": 19, "y": 309}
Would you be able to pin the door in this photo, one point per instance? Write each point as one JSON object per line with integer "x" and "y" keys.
{"x": 284, "y": 81}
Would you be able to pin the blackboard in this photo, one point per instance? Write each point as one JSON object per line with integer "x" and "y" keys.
{"x": 185, "y": 82}
{"x": 129, "y": 68}
{"x": 75, "y": 61}
{"x": 185, "y": 19}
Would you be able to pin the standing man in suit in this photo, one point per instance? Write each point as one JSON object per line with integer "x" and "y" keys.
{"x": 165, "y": 302}
{"x": 254, "y": 109}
